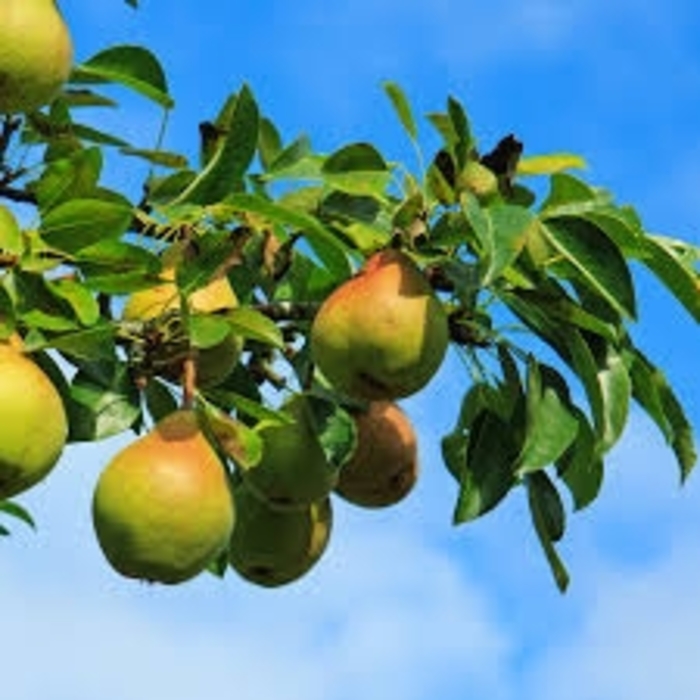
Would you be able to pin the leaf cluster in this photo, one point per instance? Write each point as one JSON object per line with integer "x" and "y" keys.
{"x": 540, "y": 288}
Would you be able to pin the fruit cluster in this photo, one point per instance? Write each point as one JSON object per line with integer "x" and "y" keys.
{"x": 166, "y": 507}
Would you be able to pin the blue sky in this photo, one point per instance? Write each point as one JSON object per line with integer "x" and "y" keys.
{"x": 404, "y": 606}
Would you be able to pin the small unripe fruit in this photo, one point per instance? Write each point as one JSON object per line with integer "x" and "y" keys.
{"x": 273, "y": 548}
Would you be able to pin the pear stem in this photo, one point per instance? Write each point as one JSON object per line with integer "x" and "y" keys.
{"x": 189, "y": 382}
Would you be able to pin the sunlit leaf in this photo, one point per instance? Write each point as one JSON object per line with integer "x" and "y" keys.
{"x": 654, "y": 394}
{"x": 550, "y": 164}
{"x": 681, "y": 280}
{"x": 580, "y": 467}
{"x": 132, "y": 66}
{"x": 596, "y": 261}
{"x": 551, "y": 424}
{"x": 402, "y": 107}
{"x": 224, "y": 172}
{"x": 503, "y": 237}
{"x": 79, "y": 223}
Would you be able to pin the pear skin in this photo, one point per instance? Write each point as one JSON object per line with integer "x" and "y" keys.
{"x": 273, "y": 548}
{"x": 33, "y": 422}
{"x": 163, "y": 508}
{"x": 293, "y": 470}
{"x": 384, "y": 467}
{"x": 36, "y": 54}
{"x": 382, "y": 334}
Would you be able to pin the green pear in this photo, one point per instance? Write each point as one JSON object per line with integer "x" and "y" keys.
{"x": 384, "y": 466}
{"x": 479, "y": 180}
{"x": 214, "y": 363}
{"x": 293, "y": 470}
{"x": 36, "y": 54}
{"x": 382, "y": 334}
{"x": 33, "y": 422}
{"x": 271, "y": 547}
{"x": 162, "y": 508}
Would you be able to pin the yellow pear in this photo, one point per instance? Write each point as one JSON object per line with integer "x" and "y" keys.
{"x": 293, "y": 470}
{"x": 383, "y": 333}
{"x": 214, "y": 363}
{"x": 36, "y": 54}
{"x": 384, "y": 466}
{"x": 33, "y": 422}
{"x": 271, "y": 547}
{"x": 163, "y": 508}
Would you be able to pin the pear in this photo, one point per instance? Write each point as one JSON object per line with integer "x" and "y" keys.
{"x": 33, "y": 422}
{"x": 273, "y": 548}
{"x": 36, "y": 54}
{"x": 214, "y": 363}
{"x": 382, "y": 334}
{"x": 162, "y": 508}
{"x": 384, "y": 467}
{"x": 479, "y": 180}
{"x": 293, "y": 470}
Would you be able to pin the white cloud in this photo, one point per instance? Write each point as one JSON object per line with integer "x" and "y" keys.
{"x": 385, "y": 614}
{"x": 637, "y": 639}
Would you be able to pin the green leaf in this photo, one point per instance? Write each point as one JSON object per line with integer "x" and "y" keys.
{"x": 269, "y": 143}
{"x": 362, "y": 157}
{"x": 207, "y": 330}
{"x": 69, "y": 178}
{"x": 81, "y": 300}
{"x": 79, "y": 223}
{"x": 237, "y": 441}
{"x": 605, "y": 377}
{"x": 104, "y": 402}
{"x": 460, "y": 123}
{"x": 596, "y": 261}
{"x": 37, "y": 304}
{"x": 580, "y": 467}
{"x": 10, "y": 233}
{"x": 250, "y": 323}
{"x": 553, "y": 300}
{"x": 504, "y": 237}
{"x": 550, "y": 164}
{"x": 159, "y": 399}
{"x": 95, "y": 343}
{"x": 544, "y": 508}
{"x": 680, "y": 279}
{"x": 132, "y": 66}
{"x": 335, "y": 428}
{"x": 165, "y": 159}
{"x": 357, "y": 169}
{"x": 541, "y": 488}
{"x": 299, "y": 151}
{"x": 224, "y": 172}
{"x": 247, "y": 407}
{"x": 402, "y": 108}
{"x": 651, "y": 390}
{"x": 569, "y": 194}
{"x": 17, "y": 511}
{"x": 88, "y": 133}
{"x": 551, "y": 424}
{"x": 116, "y": 267}
{"x": 486, "y": 477}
